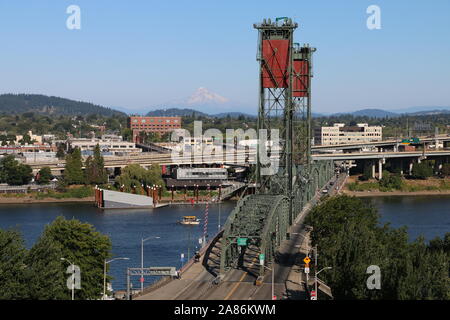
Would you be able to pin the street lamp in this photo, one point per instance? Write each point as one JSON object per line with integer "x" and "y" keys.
{"x": 104, "y": 274}
{"x": 316, "y": 273}
{"x": 73, "y": 275}
{"x": 142, "y": 259}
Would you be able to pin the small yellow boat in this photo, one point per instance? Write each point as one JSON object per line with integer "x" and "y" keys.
{"x": 189, "y": 220}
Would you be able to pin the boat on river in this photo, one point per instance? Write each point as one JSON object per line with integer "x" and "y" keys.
{"x": 189, "y": 220}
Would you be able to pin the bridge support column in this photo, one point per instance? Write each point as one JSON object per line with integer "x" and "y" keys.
{"x": 373, "y": 170}
{"x": 380, "y": 169}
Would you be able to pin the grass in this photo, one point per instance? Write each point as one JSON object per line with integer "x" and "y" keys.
{"x": 79, "y": 193}
{"x": 407, "y": 186}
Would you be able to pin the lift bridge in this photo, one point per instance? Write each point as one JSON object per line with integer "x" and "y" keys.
{"x": 264, "y": 218}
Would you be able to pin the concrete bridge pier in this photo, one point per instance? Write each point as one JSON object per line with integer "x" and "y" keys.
{"x": 380, "y": 168}
{"x": 411, "y": 166}
{"x": 373, "y": 170}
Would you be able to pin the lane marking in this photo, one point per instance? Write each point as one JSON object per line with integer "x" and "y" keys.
{"x": 240, "y": 281}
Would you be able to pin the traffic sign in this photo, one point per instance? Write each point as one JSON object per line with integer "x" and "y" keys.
{"x": 141, "y": 279}
{"x": 262, "y": 256}
{"x": 307, "y": 260}
{"x": 242, "y": 241}
{"x": 306, "y": 269}
{"x": 274, "y": 297}
{"x": 313, "y": 295}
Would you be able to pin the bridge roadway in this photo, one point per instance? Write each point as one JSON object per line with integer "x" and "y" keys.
{"x": 238, "y": 158}
{"x": 196, "y": 282}
{"x": 380, "y": 155}
{"x": 383, "y": 143}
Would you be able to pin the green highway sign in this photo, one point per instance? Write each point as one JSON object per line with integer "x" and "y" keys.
{"x": 262, "y": 256}
{"x": 242, "y": 241}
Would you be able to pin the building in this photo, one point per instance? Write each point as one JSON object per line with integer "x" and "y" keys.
{"x": 160, "y": 125}
{"x": 110, "y": 145}
{"x": 33, "y": 137}
{"x": 340, "y": 134}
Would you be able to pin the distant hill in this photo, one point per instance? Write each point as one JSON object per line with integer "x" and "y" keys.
{"x": 185, "y": 112}
{"x": 380, "y": 113}
{"x": 374, "y": 113}
{"x": 20, "y": 103}
{"x": 175, "y": 112}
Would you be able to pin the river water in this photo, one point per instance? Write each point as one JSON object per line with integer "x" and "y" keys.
{"x": 426, "y": 215}
{"x": 126, "y": 228}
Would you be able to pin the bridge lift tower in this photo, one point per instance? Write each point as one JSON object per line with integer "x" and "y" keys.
{"x": 284, "y": 104}
{"x": 260, "y": 222}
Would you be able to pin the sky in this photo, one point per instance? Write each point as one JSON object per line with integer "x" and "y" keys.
{"x": 142, "y": 54}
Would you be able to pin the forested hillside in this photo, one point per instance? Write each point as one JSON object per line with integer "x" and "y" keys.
{"x": 20, "y": 103}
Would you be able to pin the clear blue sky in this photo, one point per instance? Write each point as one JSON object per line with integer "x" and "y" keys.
{"x": 139, "y": 54}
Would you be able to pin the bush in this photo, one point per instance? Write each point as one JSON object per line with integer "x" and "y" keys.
{"x": 422, "y": 170}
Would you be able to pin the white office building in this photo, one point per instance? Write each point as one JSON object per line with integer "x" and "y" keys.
{"x": 340, "y": 134}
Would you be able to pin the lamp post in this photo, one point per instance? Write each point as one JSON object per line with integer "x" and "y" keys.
{"x": 104, "y": 274}
{"x": 273, "y": 278}
{"x": 316, "y": 273}
{"x": 73, "y": 279}
{"x": 142, "y": 259}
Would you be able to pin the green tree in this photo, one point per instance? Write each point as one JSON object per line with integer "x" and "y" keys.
{"x": 422, "y": 170}
{"x": 390, "y": 181}
{"x": 134, "y": 175}
{"x": 46, "y": 272}
{"x": 95, "y": 168}
{"x": 73, "y": 172}
{"x": 60, "y": 153}
{"x": 445, "y": 171}
{"x": 45, "y": 175}
{"x": 82, "y": 245}
{"x": 12, "y": 265}
{"x": 349, "y": 237}
{"x": 14, "y": 173}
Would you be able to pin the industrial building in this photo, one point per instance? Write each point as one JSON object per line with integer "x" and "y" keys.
{"x": 340, "y": 134}
{"x": 109, "y": 145}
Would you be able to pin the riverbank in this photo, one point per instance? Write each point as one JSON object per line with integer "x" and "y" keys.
{"x": 29, "y": 200}
{"x": 395, "y": 193}
{"x": 371, "y": 188}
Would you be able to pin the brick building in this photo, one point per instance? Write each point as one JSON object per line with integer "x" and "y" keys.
{"x": 160, "y": 125}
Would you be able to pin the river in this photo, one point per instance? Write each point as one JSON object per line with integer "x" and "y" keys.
{"x": 126, "y": 228}
{"x": 426, "y": 215}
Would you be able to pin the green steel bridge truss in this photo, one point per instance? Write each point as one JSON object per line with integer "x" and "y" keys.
{"x": 264, "y": 218}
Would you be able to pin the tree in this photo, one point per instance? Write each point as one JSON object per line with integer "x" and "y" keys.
{"x": 95, "y": 168}
{"x": 45, "y": 175}
{"x": 47, "y": 277}
{"x": 367, "y": 173}
{"x": 422, "y": 170}
{"x": 14, "y": 173}
{"x": 82, "y": 245}
{"x": 134, "y": 176}
{"x": 390, "y": 181}
{"x": 12, "y": 266}
{"x": 349, "y": 237}
{"x": 445, "y": 171}
{"x": 60, "y": 153}
{"x": 73, "y": 173}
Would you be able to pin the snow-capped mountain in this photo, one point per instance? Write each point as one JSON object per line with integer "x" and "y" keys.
{"x": 204, "y": 96}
